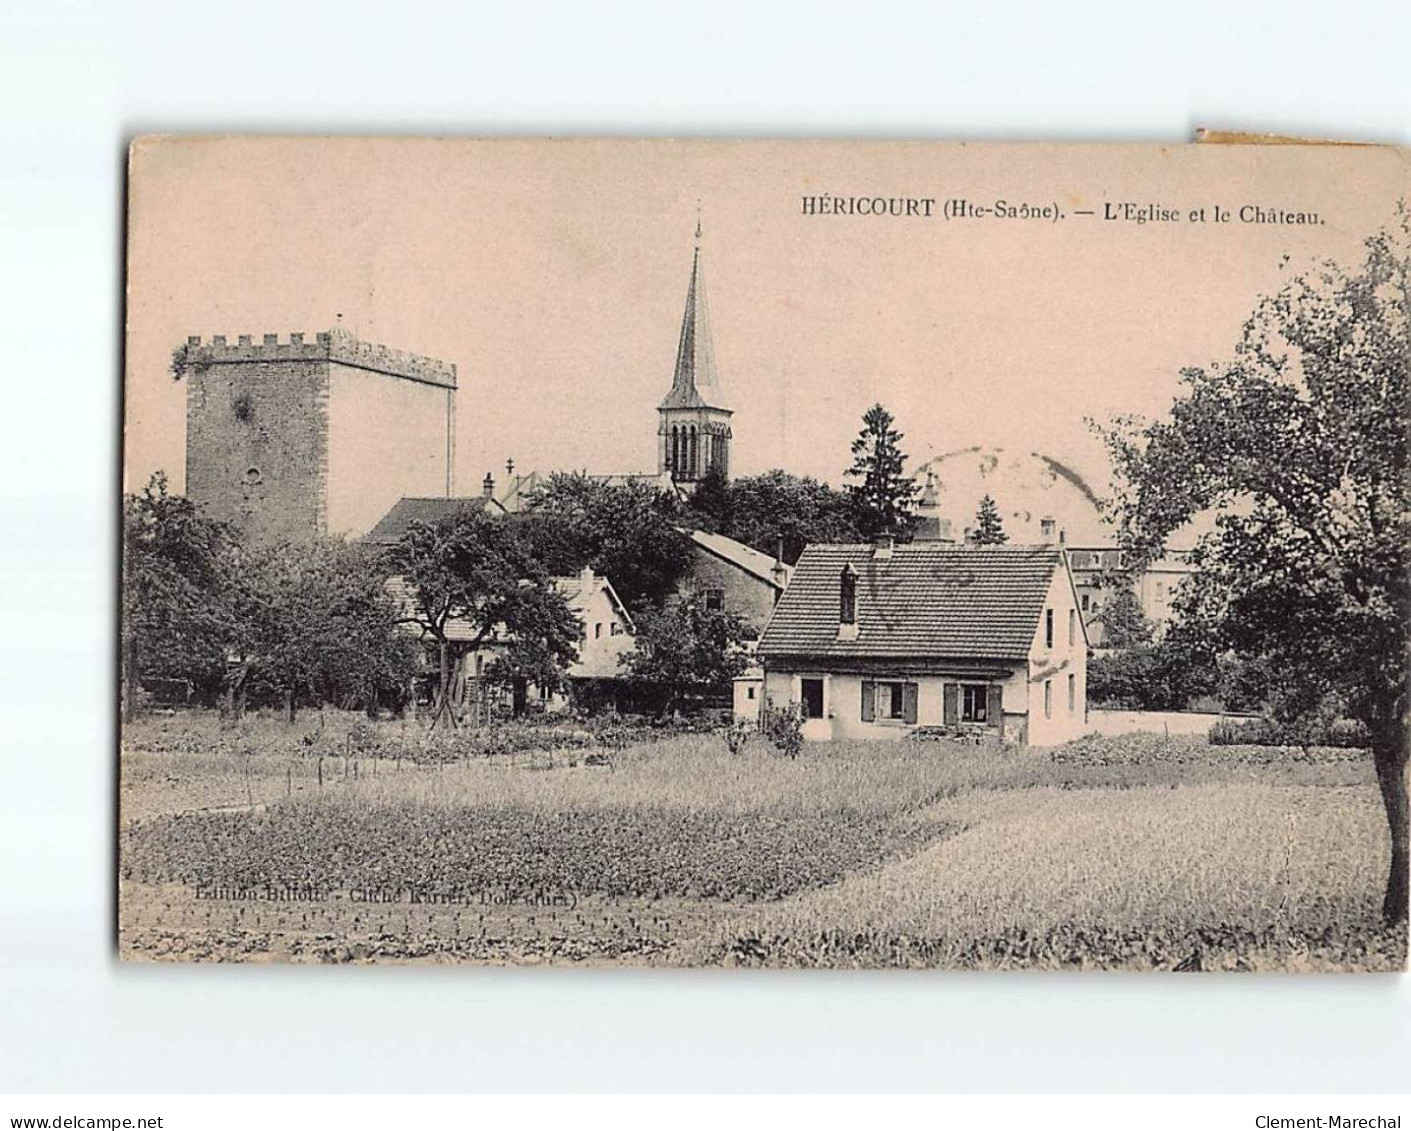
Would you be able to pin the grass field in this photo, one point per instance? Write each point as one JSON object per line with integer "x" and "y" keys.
{"x": 1132, "y": 853}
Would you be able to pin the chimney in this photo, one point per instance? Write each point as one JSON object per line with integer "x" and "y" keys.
{"x": 1048, "y": 530}
{"x": 779, "y": 571}
{"x": 882, "y": 547}
{"x": 487, "y": 488}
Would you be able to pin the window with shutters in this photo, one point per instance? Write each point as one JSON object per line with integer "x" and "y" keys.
{"x": 973, "y": 702}
{"x": 889, "y": 700}
{"x": 1086, "y": 601}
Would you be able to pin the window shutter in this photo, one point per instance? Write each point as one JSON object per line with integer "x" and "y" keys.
{"x": 952, "y": 697}
{"x": 908, "y": 702}
{"x": 869, "y": 701}
{"x": 994, "y": 706}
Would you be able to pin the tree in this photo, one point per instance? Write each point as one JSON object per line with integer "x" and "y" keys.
{"x": 474, "y": 572}
{"x": 313, "y": 623}
{"x": 175, "y": 615}
{"x": 687, "y": 649}
{"x": 883, "y": 492}
{"x": 1298, "y": 445}
{"x": 1124, "y": 623}
{"x": 989, "y": 527}
{"x": 761, "y": 509}
{"x": 627, "y": 533}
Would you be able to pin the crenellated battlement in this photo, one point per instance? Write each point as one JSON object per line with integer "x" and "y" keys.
{"x": 333, "y": 345}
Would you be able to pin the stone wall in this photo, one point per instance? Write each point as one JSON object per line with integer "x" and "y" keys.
{"x": 257, "y": 445}
{"x": 294, "y": 439}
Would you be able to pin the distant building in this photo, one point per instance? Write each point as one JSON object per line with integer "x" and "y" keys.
{"x": 519, "y": 489}
{"x": 693, "y": 433}
{"x": 1043, "y": 499}
{"x": 297, "y": 439}
{"x": 877, "y": 641}
{"x": 728, "y": 575}
{"x": 405, "y": 512}
{"x": 1096, "y": 569}
{"x": 606, "y": 635}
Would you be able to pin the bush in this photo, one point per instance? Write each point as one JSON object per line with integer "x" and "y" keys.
{"x": 737, "y": 735}
{"x": 783, "y": 726}
{"x": 1343, "y": 734}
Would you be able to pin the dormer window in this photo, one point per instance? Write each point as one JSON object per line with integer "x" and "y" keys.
{"x": 847, "y": 596}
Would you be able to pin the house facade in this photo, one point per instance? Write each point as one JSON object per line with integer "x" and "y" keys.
{"x": 878, "y": 641}
{"x": 728, "y": 575}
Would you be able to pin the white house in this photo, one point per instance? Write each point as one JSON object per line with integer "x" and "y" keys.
{"x": 876, "y": 641}
{"x": 606, "y": 635}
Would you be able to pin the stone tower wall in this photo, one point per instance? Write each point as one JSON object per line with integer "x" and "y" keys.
{"x": 295, "y": 439}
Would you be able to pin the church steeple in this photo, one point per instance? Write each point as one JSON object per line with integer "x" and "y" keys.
{"x": 696, "y": 384}
{"x": 694, "y": 434}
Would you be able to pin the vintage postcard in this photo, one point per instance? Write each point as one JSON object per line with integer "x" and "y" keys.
{"x": 765, "y": 553}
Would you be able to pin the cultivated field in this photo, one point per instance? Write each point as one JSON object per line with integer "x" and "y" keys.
{"x": 341, "y": 841}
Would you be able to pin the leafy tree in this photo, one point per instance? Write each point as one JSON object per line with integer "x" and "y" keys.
{"x": 474, "y": 571}
{"x": 626, "y": 533}
{"x": 1298, "y": 444}
{"x": 989, "y": 527}
{"x": 687, "y": 649}
{"x": 759, "y": 510}
{"x": 712, "y": 503}
{"x": 175, "y": 615}
{"x": 1168, "y": 675}
{"x": 884, "y": 493}
{"x": 1124, "y": 623}
{"x": 313, "y": 623}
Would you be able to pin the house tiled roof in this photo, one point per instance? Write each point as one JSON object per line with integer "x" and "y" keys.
{"x": 395, "y": 523}
{"x": 738, "y": 554}
{"x": 927, "y": 600}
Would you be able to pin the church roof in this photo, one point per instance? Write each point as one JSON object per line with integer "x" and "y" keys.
{"x": 696, "y": 384}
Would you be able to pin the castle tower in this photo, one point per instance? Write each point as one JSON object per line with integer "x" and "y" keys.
{"x": 693, "y": 435}
{"x": 296, "y": 439}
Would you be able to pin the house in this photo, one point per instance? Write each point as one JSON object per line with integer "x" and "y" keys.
{"x": 595, "y": 675}
{"x": 407, "y": 511}
{"x": 729, "y": 575}
{"x": 1096, "y": 567}
{"x": 877, "y": 641}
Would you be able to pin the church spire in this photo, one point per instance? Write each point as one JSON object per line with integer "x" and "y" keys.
{"x": 695, "y": 383}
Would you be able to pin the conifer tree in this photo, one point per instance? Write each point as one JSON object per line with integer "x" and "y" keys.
{"x": 989, "y": 527}
{"x": 883, "y": 493}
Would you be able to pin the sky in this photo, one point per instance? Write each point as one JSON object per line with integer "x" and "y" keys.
{"x": 554, "y": 273}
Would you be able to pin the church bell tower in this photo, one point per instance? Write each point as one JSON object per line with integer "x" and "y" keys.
{"x": 694, "y": 431}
